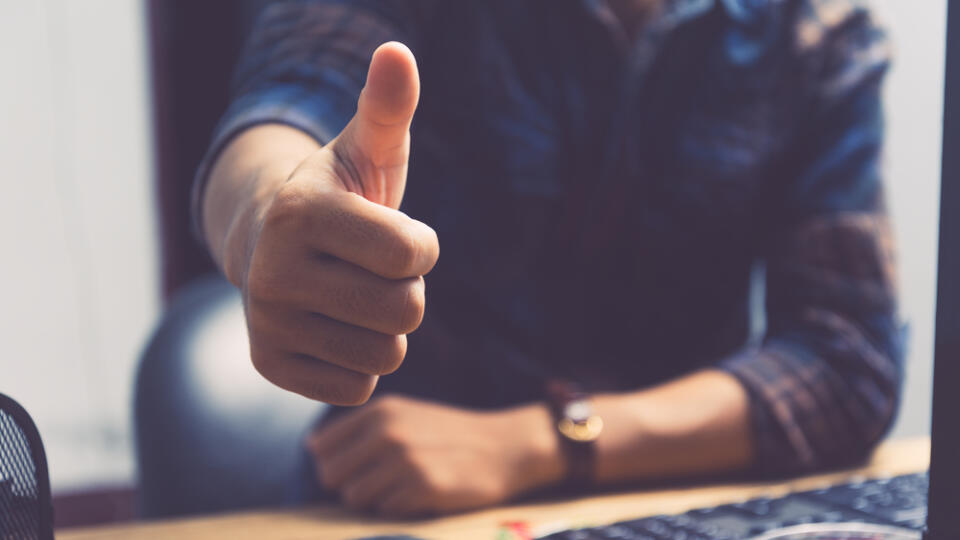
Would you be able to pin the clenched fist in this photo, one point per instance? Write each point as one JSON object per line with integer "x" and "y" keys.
{"x": 331, "y": 271}
{"x": 380, "y": 457}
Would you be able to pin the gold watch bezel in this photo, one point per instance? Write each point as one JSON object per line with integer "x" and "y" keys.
{"x": 584, "y": 431}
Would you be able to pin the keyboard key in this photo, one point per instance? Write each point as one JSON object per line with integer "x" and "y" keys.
{"x": 757, "y": 507}
{"x": 616, "y": 532}
{"x": 577, "y": 534}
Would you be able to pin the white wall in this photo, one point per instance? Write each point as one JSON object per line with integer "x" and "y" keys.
{"x": 914, "y": 102}
{"x": 78, "y": 279}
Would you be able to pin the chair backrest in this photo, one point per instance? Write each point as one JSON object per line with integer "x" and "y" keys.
{"x": 26, "y": 509}
{"x": 212, "y": 434}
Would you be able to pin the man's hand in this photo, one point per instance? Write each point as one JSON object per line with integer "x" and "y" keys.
{"x": 330, "y": 270}
{"x": 405, "y": 457}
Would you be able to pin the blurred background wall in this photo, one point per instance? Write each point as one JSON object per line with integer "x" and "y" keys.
{"x": 80, "y": 279}
{"x": 914, "y": 106}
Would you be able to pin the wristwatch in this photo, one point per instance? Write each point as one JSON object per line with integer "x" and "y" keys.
{"x": 578, "y": 427}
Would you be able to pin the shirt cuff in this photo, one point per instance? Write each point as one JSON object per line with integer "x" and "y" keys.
{"x": 781, "y": 447}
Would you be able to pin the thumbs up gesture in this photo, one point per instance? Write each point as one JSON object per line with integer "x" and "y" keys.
{"x": 332, "y": 271}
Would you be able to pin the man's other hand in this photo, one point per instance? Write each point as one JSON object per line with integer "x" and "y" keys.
{"x": 405, "y": 457}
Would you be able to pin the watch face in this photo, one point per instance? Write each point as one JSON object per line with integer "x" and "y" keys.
{"x": 840, "y": 531}
{"x": 578, "y": 410}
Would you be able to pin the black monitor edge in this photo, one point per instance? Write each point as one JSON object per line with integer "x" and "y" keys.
{"x": 943, "y": 514}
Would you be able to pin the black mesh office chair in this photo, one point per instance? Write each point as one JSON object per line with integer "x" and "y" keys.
{"x": 26, "y": 510}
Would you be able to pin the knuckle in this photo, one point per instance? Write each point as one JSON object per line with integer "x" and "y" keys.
{"x": 377, "y": 354}
{"x": 404, "y": 253}
{"x": 290, "y": 207}
{"x": 432, "y": 247}
{"x": 393, "y": 356}
{"x": 328, "y": 392}
{"x": 395, "y": 442}
{"x": 414, "y": 303}
{"x": 346, "y": 388}
{"x": 355, "y": 392}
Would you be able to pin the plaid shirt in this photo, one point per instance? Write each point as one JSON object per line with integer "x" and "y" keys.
{"x": 602, "y": 199}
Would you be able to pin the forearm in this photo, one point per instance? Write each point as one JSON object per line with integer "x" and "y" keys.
{"x": 698, "y": 424}
{"x": 242, "y": 180}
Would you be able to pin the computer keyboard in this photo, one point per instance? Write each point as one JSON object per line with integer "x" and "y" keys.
{"x": 900, "y": 501}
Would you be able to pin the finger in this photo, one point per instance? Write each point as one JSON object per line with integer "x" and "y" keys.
{"x": 319, "y": 336}
{"x": 306, "y": 212}
{"x": 325, "y": 441}
{"x": 354, "y": 296}
{"x": 341, "y": 291}
{"x": 369, "y": 488}
{"x": 386, "y": 106}
{"x": 372, "y": 151}
{"x": 406, "y": 500}
{"x": 353, "y": 454}
{"x": 384, "y": 241}
{"x": 312, "y": 378}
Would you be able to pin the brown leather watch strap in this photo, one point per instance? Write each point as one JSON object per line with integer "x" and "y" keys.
{"x": 577, "y": 428}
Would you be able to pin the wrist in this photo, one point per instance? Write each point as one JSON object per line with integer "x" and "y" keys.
{"x": 242, "y": 182}
{"x": 539, "y": 459}
{"x": 241, "y": 233}
{"x": 578, "y": 427}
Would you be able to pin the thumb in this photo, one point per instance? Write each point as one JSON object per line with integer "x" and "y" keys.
{"x": 379, "y": 133}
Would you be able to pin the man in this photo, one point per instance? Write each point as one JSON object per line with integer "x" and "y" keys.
{"x": 603, "y": 175}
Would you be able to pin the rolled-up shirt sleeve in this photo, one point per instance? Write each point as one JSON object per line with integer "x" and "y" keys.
{"x": 824, "y": 385}
{"x": 304, "y": 65}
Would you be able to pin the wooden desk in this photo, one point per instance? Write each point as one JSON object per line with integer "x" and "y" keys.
{"x": 324, "y": 522}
